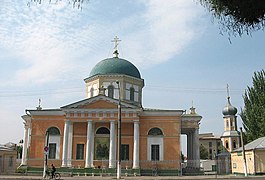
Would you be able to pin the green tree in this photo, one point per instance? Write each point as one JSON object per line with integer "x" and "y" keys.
{"x": 203, "y": 152}
{"x": 253, "y": 113}
{"x": 236, "y": 17}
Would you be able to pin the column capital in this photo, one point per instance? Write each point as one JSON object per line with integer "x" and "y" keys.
{"x": 136, "y": 121}
{"x": 67, "y": 121}
{"x": 26, "y": 126}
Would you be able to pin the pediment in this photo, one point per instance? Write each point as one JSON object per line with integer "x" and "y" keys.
{"x": 98, "y": 102}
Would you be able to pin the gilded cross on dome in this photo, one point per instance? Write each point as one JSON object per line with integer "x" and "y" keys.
{"x": 227, "y": 90}
{"x": 116, "y": 41}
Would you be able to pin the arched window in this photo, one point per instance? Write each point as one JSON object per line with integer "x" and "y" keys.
{"x": 103, "y": 130}
{"x": 102, "y": 143}
{"x": 91, "y": 92}
{"x": 131, "y": 94}
{"x": 227, "y": 123}
{"x": 226, "y": 144}
{"x": 110, "y": 91}
{"x": 53, "y": 131}
{"x": 234, "y": 144}
{"x": 155, "y": 132}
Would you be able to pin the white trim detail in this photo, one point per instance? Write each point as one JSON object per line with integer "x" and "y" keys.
{"x": 56, "y": 140}
{"x": 155, "y": 141}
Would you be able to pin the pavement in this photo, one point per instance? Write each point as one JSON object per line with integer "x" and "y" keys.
{"x": 208, "y": 177}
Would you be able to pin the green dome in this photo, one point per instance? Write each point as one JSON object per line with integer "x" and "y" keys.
{"x": 115, "y": 66}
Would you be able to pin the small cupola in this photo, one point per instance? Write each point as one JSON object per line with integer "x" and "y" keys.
{"x": 229, "y": 110}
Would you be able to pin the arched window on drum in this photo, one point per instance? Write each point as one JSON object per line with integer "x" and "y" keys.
{"x": 132, "y": 94}
{"x": 111, "y": 91}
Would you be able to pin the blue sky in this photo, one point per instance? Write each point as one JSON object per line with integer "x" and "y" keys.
{"x": 47, "y": 50}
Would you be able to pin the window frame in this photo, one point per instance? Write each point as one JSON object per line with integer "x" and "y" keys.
{"x": 111, "y": 91}
{"x": 132, "y": 91}
{"x": 155, "y": 154}
{"x": 125, "y": 152}
{"x": 52, "y": 151}
{"x": 80, "y": 151}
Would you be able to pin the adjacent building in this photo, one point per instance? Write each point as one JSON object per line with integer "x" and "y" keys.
{"x": 8, "y": 156}
{"x": 255, "y": 158}
{"x": 212, "y": 143}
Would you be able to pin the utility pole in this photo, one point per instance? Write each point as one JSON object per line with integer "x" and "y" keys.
{"x": 243, "y": 151}
{"x": 119, "y": 135}
{"x": 46, "y": 150}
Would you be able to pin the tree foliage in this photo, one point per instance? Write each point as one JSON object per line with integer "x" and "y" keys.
{"x": 76, "y": 3}
{"x": 203, "y": 152}
{"x": 236, "y": 17}
{"x": 253, "y": 114}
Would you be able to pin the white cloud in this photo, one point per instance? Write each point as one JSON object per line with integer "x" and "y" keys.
{"x": 57, "y": 40}
{"x": 167, "y": 28}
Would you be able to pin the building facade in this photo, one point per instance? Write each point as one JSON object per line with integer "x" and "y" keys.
{"x": 8, "y": 156}
{"x": 255, "y": 158}
{"x": 211, "y": 143}
{"x": 84, "y": 133}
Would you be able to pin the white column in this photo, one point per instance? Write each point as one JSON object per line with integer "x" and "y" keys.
{"x": 196, "y": 148}
{"x": 92, "y": 146}
{"x": 65, "y": 143}
{"x": 70, "y": 145}
{"x": 136, "y": 145}
{"x": 112, "y": 149}
{"x": 89, "y": 144}
{"x": 25, "y": 146}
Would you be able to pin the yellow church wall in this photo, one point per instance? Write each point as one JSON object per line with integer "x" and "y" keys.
{"x": 78, "y": 140}
{"x": 260, "y": 161}
{"x": 127, "y": 129}
{"x": 128, "y": 140}
{"x": 101, "y": 124}
{"x": 80, "y": 128}
{"x": 39, "y": 126}
{"x": 237, "y": 162}
{"x": 170, "y": 127}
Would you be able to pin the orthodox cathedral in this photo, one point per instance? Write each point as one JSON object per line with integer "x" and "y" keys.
{"x": 110, "y": 124}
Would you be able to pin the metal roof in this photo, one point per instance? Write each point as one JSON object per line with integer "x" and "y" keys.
{"x": 115, "y": 66}
{"x": 256, "y": 144}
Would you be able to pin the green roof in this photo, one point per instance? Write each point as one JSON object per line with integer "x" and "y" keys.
{"x": 115, "y": 66}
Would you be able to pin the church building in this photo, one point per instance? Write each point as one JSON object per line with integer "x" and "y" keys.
{"x": 84, "y": 134}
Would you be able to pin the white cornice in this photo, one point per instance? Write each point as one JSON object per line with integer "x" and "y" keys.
{"x": 50, "y": 112}
{"x": 112, "y": 76}
{"x": 191, "y": 118}
{"x": 159, "y": 112}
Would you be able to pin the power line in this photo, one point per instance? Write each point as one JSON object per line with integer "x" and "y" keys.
{"x": 45, "y": 92}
